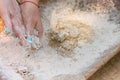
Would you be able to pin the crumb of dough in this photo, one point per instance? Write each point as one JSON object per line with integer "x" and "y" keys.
{"x": 25, "y": 73}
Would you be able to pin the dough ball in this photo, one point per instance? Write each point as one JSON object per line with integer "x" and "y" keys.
{"x": 71, "y": 32}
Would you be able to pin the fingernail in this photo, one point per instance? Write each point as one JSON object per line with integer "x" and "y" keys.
{"x": 6, "y": 30}
{"x": 30, "y": 39}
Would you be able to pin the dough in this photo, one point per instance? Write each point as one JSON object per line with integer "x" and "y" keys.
{"x": 36, "y": 43}
{"x": 71, "y": 32}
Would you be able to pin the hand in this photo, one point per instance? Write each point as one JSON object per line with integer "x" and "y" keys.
{"x": 31, "y": 18}
{"x": 10, "y": 13}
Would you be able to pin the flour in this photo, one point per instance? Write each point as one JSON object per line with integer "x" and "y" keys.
{"x": 8, "y": 74}
{"x": 46, "y": 63}
{"x": 69, "y": 77}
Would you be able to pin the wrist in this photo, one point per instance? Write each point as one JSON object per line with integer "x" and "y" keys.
{"x": 35, "y": 1}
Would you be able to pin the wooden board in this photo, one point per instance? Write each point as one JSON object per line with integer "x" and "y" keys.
{"x": 102, "y": 61}
{"x": 47, "y": 60}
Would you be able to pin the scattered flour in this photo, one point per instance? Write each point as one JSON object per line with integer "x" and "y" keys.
{"x": 8, "y": 74}
{"x": 46, "y": 63}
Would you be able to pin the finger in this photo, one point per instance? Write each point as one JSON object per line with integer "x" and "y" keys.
{"x": 7, "y": 22}
{"x": 39, "y": 28}
{"x": 17, "y": 24}
{"x": 19, "y": 29}
{"x": 6, "y": 17}
{"x": 20, "y": 35}
{"x": 30, "y": 28}
{"x": 29, "y": 25}
{"x": 19, "y": 32}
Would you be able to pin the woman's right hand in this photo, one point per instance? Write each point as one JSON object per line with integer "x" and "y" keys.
{"x": 11, "y": 14}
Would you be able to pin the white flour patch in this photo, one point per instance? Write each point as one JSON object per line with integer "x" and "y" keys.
{"x": 46, "y": 63}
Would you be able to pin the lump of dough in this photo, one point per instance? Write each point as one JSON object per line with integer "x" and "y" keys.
{"x": 36, "y": 43}
{"x": 71, "y": 32}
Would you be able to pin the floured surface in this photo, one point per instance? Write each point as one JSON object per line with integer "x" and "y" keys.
{"x": 48, "y": 63}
